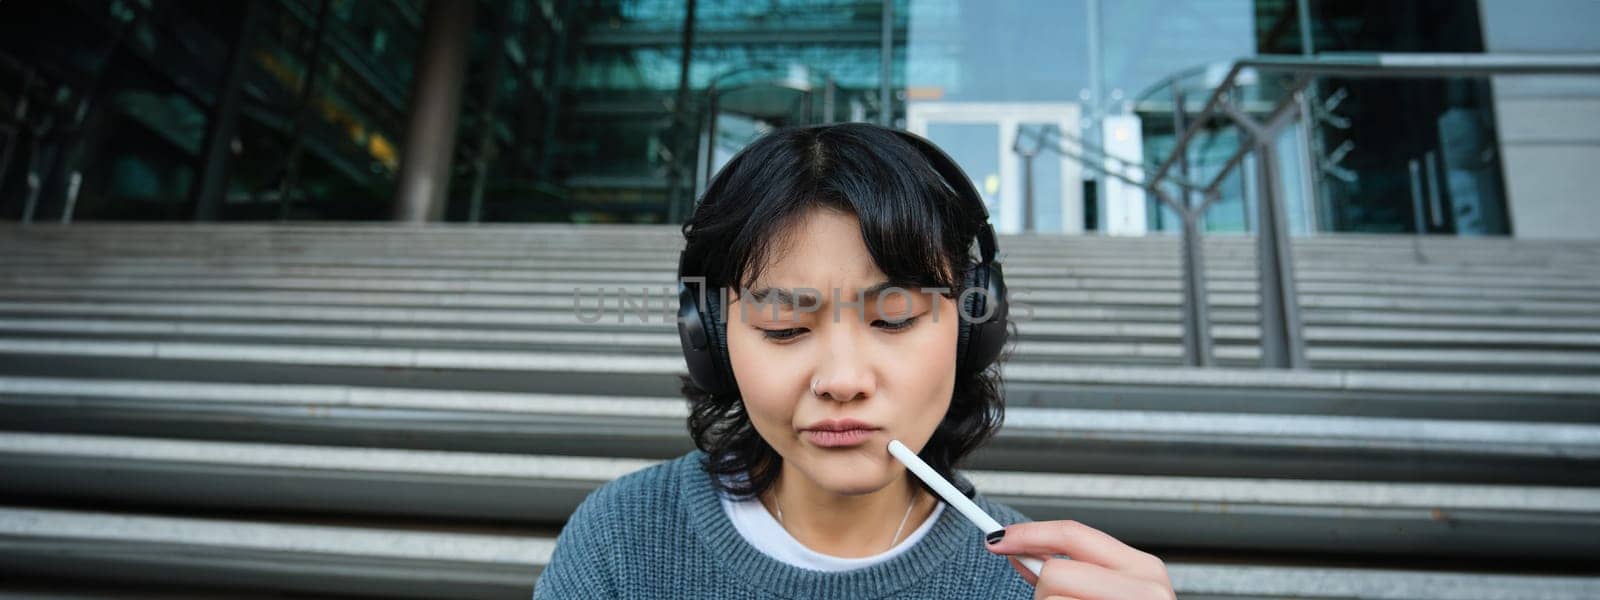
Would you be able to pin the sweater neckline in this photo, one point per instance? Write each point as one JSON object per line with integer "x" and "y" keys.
{"x": 754, "y": 568}
{"x": 751, "y": 518}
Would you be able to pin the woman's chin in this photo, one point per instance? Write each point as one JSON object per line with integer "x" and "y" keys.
{"x": 848, "y": 475}
{"x": 853, "y": 488}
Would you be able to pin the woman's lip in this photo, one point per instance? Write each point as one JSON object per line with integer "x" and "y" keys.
{"x": 840, "y": 425}
{"x": 838, "y": 439}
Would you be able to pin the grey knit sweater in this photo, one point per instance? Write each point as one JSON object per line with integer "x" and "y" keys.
{"x": 661, "y": 533}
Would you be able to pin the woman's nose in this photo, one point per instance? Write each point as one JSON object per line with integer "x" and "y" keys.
{"x": 844, "y": 371}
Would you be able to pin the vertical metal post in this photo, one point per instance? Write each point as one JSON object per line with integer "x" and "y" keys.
{"x": 829, "y": 89}
{"x": 1310, "y": 136}
{"x": 554, "y": 80}
{"x": 1027, "y": 190}
{"x": 1092, "y": 7}
{"x": 678, "y": 206}
{"x": 223, "y": 123}
{"x": 711, "y": 132}
{"x": 1303, "y": 14}
{"x": 424, "y": 179}
{"x": 74, "y": 183}
{"x": 34, "y": 181}
{"x": 486, "y": 121}
{"x": 1309, "y": 171}
{"x": 1416, "y": 196}
{"x": 1196, "y": 312}
{"x": 31, "y": 203}
{"x": 1281, "y": 346}
{"x": 702, "y": 163}
{"x": 11, "y": 133}
{"x": 289, "y": 178}
{"x": 76, "y": 135}
{"x": 19, "y": 116}
{"x": 1179, "y": 123}
{"x": 886, "y": 67}
{"x": 1435, "y": 207}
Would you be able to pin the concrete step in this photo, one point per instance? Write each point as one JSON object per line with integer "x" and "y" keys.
{"x": 662, "y": 337}
{"x": 477, "y": 356}
{"x": 1153, "y": 442}
{"x": 537, "y": 233}
{"x": 395, "y": 562}
{"x": 609, "y": 294}
{"x": 204, "y": 476}
{"x": 26, "y": 588}
{"x": 401, "y": 243}
{"x": 87, "y": 546}
{"x": 555, "y": 318}
{"x": 1402, "y": 284}
{"x": 1501, "y": 397}
{"x": 210, "y": 276}
{"x": 232, "y": 239}
{"x": 1569, "y": 398}
{"x": 598, "y": 261}
{"x": 1465, "y": 520}
{"x": 388, "y": 391}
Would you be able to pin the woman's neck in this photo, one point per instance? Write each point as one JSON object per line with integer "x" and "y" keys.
{"x": 847, "y": 526}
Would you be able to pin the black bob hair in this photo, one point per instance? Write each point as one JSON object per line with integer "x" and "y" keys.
{"x": 918, "y": 231}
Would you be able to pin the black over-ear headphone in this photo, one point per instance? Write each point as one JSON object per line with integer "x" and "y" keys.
{"x": 703, "y": 333}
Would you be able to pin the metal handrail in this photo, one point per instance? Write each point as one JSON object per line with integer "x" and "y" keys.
{"x": 1196, "y": 336}
{"x": 1282, "y": 344}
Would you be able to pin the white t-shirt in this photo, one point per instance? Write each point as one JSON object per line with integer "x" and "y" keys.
{"x": 764, "y": 532}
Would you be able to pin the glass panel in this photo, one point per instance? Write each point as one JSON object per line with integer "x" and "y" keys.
{"x": 975, "y": 146}
{"x": 971, "y": 50}
{"x": 1048, "y": 194}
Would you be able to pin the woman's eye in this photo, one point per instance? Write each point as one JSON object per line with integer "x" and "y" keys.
{"x": 898, "y": 325}
{"x": 788, "y": 334}
{"x": 782, "y": 334}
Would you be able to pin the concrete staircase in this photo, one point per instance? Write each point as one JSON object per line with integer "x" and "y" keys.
{"x": 386, "y": 411}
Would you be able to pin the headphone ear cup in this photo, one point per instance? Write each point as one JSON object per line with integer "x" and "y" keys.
{"x": 985, "y": 335}
{"x": 722, "y": 381}
{"x": 963, "y": 323}
{"x": 693, "y": 336}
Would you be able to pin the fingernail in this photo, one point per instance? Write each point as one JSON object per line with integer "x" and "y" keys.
{"x": 995, "y": 536}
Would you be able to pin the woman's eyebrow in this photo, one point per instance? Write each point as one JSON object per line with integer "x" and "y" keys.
{"x": 783, "y": 296}
{"x": 786, "y": 297}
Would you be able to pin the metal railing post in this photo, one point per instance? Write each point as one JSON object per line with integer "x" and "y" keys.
{"x": 1196, "y": 314}
{"x": 1027, "y": 192}
{"x": 1281, "y": 343}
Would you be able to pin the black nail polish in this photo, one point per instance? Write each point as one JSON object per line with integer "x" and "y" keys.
{"x": 995, "y": 536}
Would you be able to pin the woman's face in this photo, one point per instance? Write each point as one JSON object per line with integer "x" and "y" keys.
{"x": 867, "y": 361}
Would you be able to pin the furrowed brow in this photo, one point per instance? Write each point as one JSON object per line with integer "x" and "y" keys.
{"x": 786, "y": 297}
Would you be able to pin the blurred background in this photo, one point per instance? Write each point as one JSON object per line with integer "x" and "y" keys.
{"x": 293, "y": 291}
{"x": 617, "y": 111}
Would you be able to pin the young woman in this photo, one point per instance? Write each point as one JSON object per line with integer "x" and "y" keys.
{"x": 831, "y": 303}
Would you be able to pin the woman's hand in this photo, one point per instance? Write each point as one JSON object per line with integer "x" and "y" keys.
{"x": 1100, "y": 568}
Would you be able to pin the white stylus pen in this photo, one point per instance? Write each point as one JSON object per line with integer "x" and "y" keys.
{"x": 955, "y": 498}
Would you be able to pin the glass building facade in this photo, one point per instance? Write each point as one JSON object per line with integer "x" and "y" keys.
{"x": 597, "y": 111}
